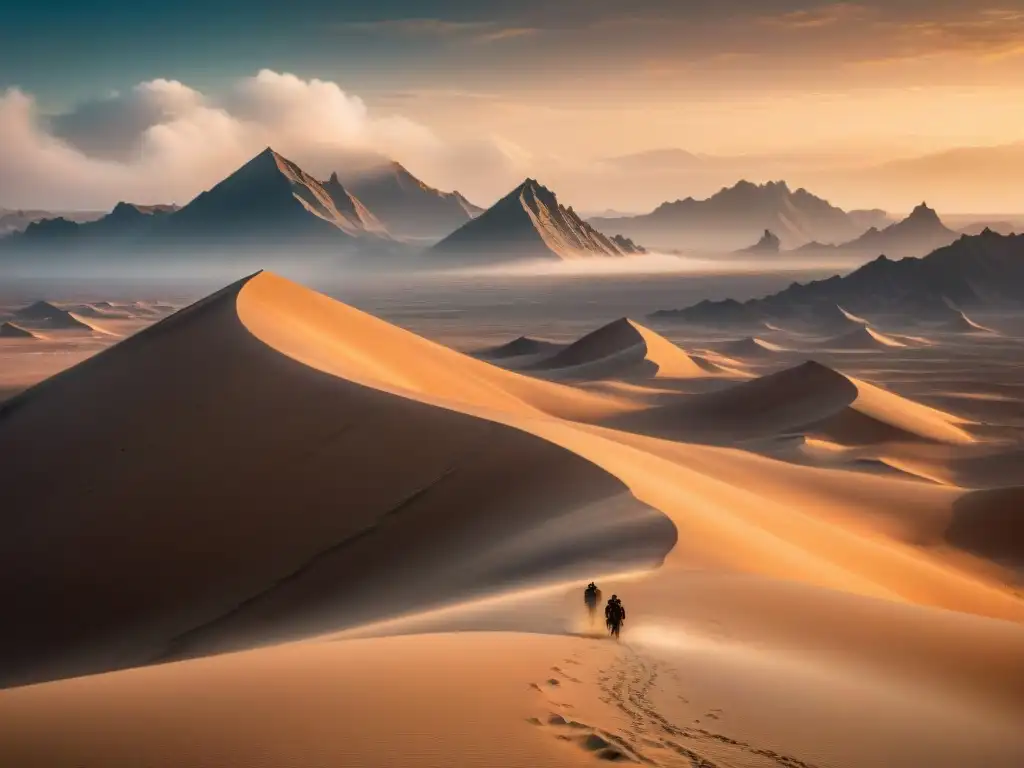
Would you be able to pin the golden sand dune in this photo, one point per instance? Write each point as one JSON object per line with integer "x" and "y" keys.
{"x": 321, "y": 469}
{"x": 505, "y": 699}
{"x": 625, "y": 348}
{"x": 251, "y": 494}
{"x": 811, "y": 399}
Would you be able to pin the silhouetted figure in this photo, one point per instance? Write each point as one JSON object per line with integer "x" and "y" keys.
{"x": 614, "y": 615}
{"x": 592, "y": 596}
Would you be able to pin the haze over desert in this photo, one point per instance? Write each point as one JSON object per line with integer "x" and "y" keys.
{"x": 437, "y": 386}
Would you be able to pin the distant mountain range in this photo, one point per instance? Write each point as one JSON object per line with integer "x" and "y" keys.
{"x": 378, "y": 207}
{"x": 12, "y": 221}
{"x": 980, "y": 270}
{"x": 125, "y": 220}
{"x": 268, "y": 202}
{"x": 919, "y": 233}
{"x": 738, "y": 215}
{"x": 528, "y": 223}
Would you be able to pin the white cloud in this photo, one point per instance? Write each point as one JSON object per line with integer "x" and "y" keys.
{"x": 163, "y": 141}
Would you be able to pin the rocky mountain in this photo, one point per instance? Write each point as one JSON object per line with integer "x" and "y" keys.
{"x": 272, "y": 197}
{"x": 12, "y": 221}
{"x": 269, "y": 201}
{"x": 918, "y": 234}
{"x": 769, "y": 243}
{"x": 1002, "y": 227}
{"x": 736, "y": 216}
{"x": 406, "y": 206}
{"x": 528, "y": 223}
{"x": 974, "y": 271}
{"x": 865, "y": 219}
{"x": 126, "y": 220}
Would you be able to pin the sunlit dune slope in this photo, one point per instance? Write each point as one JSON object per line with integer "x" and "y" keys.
{"x": 192, "y": 489}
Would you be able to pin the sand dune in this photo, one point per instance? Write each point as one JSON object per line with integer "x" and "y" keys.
{"x": 752, "y": 348}
{"x": 963, "y": 324}
{"x": 862, "y": 338}
{"x": 321, "y": 494}
{"x": 565, "y": 701}
{"x": 990, "y": 523}
{"x": 322, "y": 470}
{"x": 12, "y": 331}
{"x": 991, "y": 469}
{"x": 810, "y": 398}
{"x": 624, "y": 348}
{"x": 520, "y": 347}
{"x": 97, "y": 311}
{"x": 835, "y": 318}
{"x": 45, "y": 315}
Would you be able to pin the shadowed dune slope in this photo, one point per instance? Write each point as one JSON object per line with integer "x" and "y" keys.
{"x": 863, "y": 338}
{"x": 12, "y": 331}
{"x": 751, "y": 347}
{"x": 835, "y": 318}
{"x": 625, "y": 347}
{"x": 962, "y": 323}
{"x": 520, "y": 347}
{"x": 810, "y": 398}
{"x": 990, "y": 523}
{"x": 214, "y": 493}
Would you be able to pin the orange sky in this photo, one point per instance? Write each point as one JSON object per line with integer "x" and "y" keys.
{"x": 823, "y": 94}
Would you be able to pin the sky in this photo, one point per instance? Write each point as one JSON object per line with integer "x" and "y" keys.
{"x": 110, "y": 100}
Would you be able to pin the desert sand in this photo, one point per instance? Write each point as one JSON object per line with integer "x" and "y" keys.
{"x": 289, "y": 532}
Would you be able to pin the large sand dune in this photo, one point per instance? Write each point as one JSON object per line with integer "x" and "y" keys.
{"x": 321, "y": 470}
{"x": 160, "y": 481}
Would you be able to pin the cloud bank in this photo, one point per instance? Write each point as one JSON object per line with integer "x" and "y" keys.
{"x": 164, "y": 142}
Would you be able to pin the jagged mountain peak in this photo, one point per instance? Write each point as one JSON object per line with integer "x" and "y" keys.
{"x": 529, "y": 222}
{"x": 924, "y": 213}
